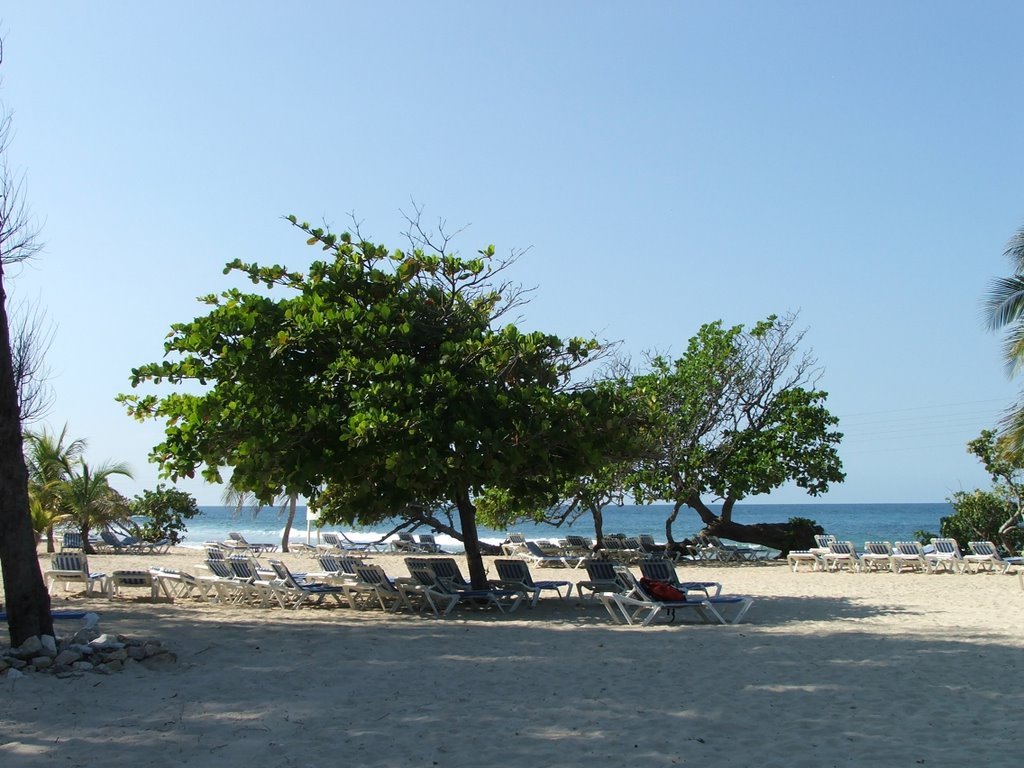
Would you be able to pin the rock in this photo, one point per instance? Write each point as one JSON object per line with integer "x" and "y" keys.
{"x": 136, "y": 652}
{"x": 107, "y": 642}
{"x": 121, "y": 654}
{"x": 31, "y": 647}
{"x": 83, "y": 666}
{"x": 13, "y": 673}
{"x": 42, "y": 662}
{"x": 67, "y": 657}
{"x": 49, "y": 644}
{"x": 110, "y": 667}
{"x": 86, "y": 635}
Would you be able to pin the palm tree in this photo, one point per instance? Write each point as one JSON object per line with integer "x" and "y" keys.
{"x": 240, "y": 499}
{"x": 49, "y": 456}
{"x": 1004, "y": 309}
{"x": 90, "y": 501}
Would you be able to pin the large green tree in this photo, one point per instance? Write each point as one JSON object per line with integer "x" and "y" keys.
{"x": 736, "y": 416}
{"x": 381, "y": 384}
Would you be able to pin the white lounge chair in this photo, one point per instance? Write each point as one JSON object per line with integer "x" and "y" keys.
{"x": 602, "y": 577}
{"x": 840, "y": 555}
{"x": 119, "y": 580}
{"x": 945, "y": 556}
{"x": 515, "y": 574}
{"x": 877, "y": 556}
{"x": 639, "y": 607}
{"x": 664, "y": 570}
{"x": 908, "y": 555}
{"x": 71, "y": 567}
{"x": 985, "y": 556}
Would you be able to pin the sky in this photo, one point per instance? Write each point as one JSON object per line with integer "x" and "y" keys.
{"x": 662, "y": 165}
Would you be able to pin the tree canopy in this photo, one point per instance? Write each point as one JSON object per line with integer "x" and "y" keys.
{"x": 380, "y": 385}
{"x": 736, "y": 416}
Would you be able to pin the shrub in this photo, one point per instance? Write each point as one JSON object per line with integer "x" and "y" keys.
{"x": 165, "y": 510}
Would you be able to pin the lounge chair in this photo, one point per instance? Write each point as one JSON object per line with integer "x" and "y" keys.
{"x": 602, "y": 576}
{"x": 422, "y": 590}
{"x": 238, "y": 540}
{"x": 174, "y": 584}
{"x": 798, "y": 558}
{"x": 908, "y": 555}
{"x": 840, "y": 555}
{"x": 425, "y": 575}
{"x": 514, "y": 544}
{"x": 822, "y": 543}
{"x": 371, "y": 579}
{"x": 337, "y": 569}
{"x": 297, "y": 592}
{"x": 945, "y": 556}
{"x": 515, "y": 574}
{"x": 406, "y": 542}
{"x": 537, "y": 556}
{"x": 985, "y": 556}
{"x": 665, "y": 570}
{"x": 71, "y": 541}
{"x": 639, "y": 606}
{"x": 135, "y": 579}
{"x": 877, "y": 556}
{"x": 70, "y": 567}
{"x": 429, "y": 544}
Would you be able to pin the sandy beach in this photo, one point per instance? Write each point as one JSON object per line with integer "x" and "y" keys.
{"x": 827, "y": 669}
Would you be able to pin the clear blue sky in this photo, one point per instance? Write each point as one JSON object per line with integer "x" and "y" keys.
{"x": 667, "y": 164}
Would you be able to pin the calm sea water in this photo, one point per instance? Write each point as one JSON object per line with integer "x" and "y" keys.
{"x": 854, "y": 522}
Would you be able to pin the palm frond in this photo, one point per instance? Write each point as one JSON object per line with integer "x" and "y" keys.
{"x": 1004, "y": 303}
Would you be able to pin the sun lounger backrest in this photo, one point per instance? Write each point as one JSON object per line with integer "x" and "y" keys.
{"x": 72, "y": 541}
{"x": 601, "y": 570}
{"x": 70, "y": 561}
{"x": 514, "y": 570}
{"x": 659, "y": 570}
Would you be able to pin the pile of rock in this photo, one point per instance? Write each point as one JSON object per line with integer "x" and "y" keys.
{"x": 85, "y": 651}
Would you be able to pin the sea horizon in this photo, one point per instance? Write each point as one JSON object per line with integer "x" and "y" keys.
{"x": 890, "y": 521}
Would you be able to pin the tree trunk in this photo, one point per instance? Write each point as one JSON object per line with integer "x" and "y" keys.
{"x": 784, "y": 537}
{"x": 87, "y": 546}
{"x": 474, "y": 560}
{"x": 28, "y": 602}
{"x": 50, "y": 544}
{"x": 598, "y": 526}
{"x": 293, "y": 500}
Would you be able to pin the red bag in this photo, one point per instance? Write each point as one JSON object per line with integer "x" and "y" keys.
{"x": 662, "y": 591}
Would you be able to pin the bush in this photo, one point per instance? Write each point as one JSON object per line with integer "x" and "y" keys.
{"x": 978, "y": 516}
{"x": 165, "y": 510}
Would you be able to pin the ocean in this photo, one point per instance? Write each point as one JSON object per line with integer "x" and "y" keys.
{"x": 853, "y": 522}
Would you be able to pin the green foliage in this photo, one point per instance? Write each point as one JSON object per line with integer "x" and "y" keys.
{"x": 166, "y": 511}
{"x": 377, "y": 383}
{"x": 979, "y": 516}
{"x": 734, "y": 417}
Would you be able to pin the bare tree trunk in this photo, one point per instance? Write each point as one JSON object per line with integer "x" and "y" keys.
{"x": 467, "y": 521}
{"x": 28, "y": 602}
{"x": 293, "y": 500}
{"x": 598, "y": 514}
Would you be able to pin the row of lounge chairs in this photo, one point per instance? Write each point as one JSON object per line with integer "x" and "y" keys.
{"x": 943, "y": 555}
{"x": 109, "y": 542}
{"x": 434, "y": 584}
{"x": 573, "y": 551}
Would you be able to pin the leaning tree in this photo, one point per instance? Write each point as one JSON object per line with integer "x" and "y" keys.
{"x": 380, "y": 385}
{"x": 736, "y": 416}
{"x": 28, "y": 603}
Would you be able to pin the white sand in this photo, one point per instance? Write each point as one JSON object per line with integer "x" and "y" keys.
{"x": 827, "y": 669}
